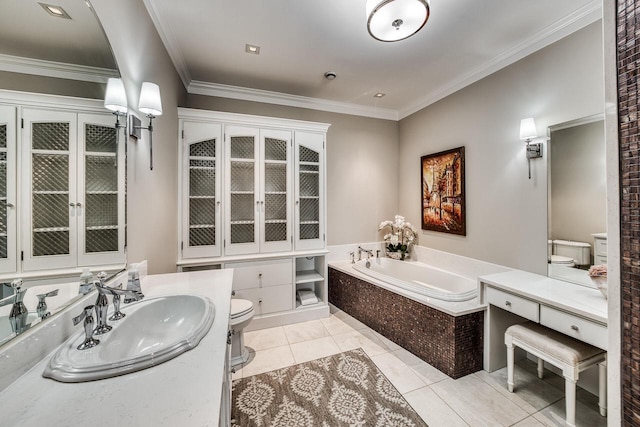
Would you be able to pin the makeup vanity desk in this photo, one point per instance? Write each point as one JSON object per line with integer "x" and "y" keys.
{"x": 516, "y": 296}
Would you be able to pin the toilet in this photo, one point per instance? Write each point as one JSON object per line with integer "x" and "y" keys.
{"x": 241, "y": 314}
{"x": 569, "y": 253}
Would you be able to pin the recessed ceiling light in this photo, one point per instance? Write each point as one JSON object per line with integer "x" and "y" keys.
{"x": 250, "y": 48}
{"x": 330, "y": 75}
{"x": 56, "y": 11}
{"x": 379, "y": 95}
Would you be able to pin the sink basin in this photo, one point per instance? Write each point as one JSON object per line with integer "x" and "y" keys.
{"x": 154, "y": 331}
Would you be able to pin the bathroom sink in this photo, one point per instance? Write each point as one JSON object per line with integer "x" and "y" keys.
{"x": 154, "y": 331}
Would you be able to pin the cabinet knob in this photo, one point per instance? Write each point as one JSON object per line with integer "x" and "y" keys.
{"x": 78, "y": 204}
{"x": 233, "y": 293}
{"x": 233, "y": 370}
{"x": 259, "y": 301}
{"x": 73, "y": 205}
{"x": 260, "y": 275}
{"x": 575, "y": 328}
{"x": 507, "y": 303}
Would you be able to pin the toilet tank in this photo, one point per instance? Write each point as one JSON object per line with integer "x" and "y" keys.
{"x": 579, "y": 251}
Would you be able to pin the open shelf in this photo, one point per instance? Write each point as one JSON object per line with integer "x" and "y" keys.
{"x": 308, "y": 276}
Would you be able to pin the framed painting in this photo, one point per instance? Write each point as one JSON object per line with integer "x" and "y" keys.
{"x": 443, "y": 197}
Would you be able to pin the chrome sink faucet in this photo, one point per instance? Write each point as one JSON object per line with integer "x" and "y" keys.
{"x": 43, "y": 313}
{"x": 87, "y": 315}
{"x": 367, "y": 251}
{"x": 102, "y": 303}
{"x": 19, "y": 313}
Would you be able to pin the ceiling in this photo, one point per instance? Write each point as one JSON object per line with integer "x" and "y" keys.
{"x": 34, "y": 42}
{"x": 463, "y": 41}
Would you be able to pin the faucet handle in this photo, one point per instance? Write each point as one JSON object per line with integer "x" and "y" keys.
{"x": 102, "y": 276}
{"x": 17, "y": 284}
{"x": 87, "y": 315}
{"x": 42, "y": 304}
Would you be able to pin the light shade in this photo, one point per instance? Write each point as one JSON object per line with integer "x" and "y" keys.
{"x": 115, "y": 98}
{"x": 393, "y": 20}
{"x": 528, "y": 129}
{"x": 150, "y": 102}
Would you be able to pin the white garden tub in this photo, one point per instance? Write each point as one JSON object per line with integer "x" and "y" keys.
{"x": 420, "y": 278}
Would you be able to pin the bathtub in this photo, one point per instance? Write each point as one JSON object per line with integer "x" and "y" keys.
{"x": 420, "y": 278}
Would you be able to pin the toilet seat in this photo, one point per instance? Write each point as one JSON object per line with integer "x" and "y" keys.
{"x": 241, "y": 309}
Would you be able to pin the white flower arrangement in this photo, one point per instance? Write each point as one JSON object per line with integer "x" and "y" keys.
{"x": 401, "y": 236}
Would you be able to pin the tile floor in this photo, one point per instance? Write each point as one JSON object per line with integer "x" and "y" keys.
{"x": 479, "y": 399}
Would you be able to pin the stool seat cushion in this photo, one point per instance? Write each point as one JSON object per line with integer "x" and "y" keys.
{"x": 564, "y": 348}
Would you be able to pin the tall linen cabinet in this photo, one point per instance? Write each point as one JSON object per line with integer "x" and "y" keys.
{"x": 252, "y": 198}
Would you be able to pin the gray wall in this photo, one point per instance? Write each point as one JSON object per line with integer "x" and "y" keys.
{"x": 506, "y": 212}
{"x": 50, "y": 85}
{"x": 362, "y": 165}
{"x": 152, "y": 195}
{"x": 578, "y": 185}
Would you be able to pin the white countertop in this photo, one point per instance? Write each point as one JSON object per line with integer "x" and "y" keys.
{"x": 184, "y": 391}
{"x": 581, "y": 300}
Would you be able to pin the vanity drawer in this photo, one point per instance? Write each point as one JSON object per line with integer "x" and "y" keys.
{"x": 269, "y": 300}
{"x": 514, "y": 304}
{"x": 601, "y": 247}
{"x": 257, "y": 274}
{"x": 574, "y": 326}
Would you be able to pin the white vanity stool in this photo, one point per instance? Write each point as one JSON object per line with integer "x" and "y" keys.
{"x": 562, "y": 351}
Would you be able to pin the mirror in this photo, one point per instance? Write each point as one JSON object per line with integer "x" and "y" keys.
{"x": 576, "y": 199}
{"x": 60, "y": 50}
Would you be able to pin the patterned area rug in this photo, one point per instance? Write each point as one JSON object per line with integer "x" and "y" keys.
{"x": 345, "y": 389}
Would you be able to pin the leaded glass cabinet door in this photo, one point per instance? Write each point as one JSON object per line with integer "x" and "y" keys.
{"x": 275, "y": 191}
{"x": 48, "y": 182}
{"x": 100, "y": 201}
{"x": 8, "y": 203}
{"x": 309, "y": 188}
{"x": 201, "y": 192}
{"x": 242, "y": 185}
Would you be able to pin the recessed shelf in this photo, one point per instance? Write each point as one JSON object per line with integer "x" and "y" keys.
{"x": 303, "y": 307}
{"x": 308, "y": 277}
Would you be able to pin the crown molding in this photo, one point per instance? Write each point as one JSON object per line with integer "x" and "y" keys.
{"x": 170, "y": 42}
{"x": 61, "y": 70}
{"x": 573, "y": 22}
{"x": 268, "y": 97}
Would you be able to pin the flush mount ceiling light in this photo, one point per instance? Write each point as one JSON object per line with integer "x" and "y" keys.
{"x": 250, "y": 48}
{"x": 56, "y": 11}
{"x": 394, "y": 20}
{"x": 379, "y": 95}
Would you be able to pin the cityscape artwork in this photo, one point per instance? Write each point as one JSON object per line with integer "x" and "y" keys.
{"x": 443, "y": 198}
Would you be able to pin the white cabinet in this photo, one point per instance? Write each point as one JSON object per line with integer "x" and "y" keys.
{"x": 8, "y": 202}
{"x": 258, "y": 184}
{"x": 599, "y": 248}
{"x": 267, "y": 284}
{"x": 201, "y": 191}
{"x": 309, "y": 192}
{"x": 72, "y": 190}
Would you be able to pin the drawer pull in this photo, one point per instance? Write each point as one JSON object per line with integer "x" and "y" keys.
{"x": 575, "y": 328}
{"x": 260, "y": 275}
{"x": 259, "y": 301}
{"x": 507, "y": 303}
{"x": 233, "y": 293}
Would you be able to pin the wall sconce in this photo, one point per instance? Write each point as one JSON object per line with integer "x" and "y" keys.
{"x": 528, "y": 131}
{"x": 151, "y": 105}
{"x": 115, "y": 99}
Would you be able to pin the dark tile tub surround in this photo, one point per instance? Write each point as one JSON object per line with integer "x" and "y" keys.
{"x": 452, "y": 344}
{"x": 628, "y": 28}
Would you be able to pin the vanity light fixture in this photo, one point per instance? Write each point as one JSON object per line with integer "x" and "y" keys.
{"x": 394, "y": 20}
{"x": 150, "y": 104}
{"x": 56, "y": 11}
{"x": 528, "y": 132}
{"x": 115, "y": 99}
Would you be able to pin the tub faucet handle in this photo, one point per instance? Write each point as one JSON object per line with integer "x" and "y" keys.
{"x": 353, "y": 257}
{"x": 377, "y": 253}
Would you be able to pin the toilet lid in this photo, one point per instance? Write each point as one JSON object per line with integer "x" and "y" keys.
{"x": 240, "y": 307}
{"x": 559, "y": 259}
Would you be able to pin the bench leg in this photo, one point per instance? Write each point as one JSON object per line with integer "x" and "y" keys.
{"x": 570, "y": 397}
{"x": 602, "y": 380}
{"x": 540, "y": 368}
{"x": 510, "y": 357}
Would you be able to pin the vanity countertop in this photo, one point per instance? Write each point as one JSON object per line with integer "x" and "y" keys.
{"x": 581, "y": 300}
{"x": 184, "y": 391}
